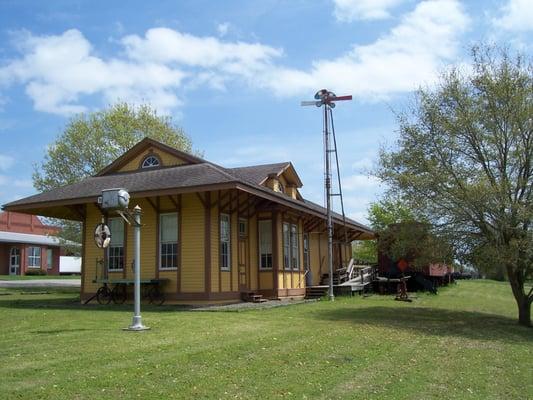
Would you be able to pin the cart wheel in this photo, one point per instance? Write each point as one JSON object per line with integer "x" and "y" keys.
{"x": 119, "y": 294}
{"x": 103, "y": 295}
{"x": 156, "y": 296}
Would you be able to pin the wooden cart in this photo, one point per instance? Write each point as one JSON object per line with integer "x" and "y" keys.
{"x": 116, "y": 290}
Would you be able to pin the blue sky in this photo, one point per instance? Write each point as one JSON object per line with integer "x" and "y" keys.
{"x": 232, "y": 73}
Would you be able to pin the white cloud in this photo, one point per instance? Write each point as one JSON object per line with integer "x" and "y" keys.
{"x": 407, "y": 56}
{"x": 223, "y": 29}
{"x": 6, "y": 162}
{"x": 516, "y": 15}
{"x": 351, "y": 10}
{"x": 58, "y": 71}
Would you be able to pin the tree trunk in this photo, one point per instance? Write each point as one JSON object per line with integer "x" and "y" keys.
{"x": 524, "y": 312}
{"x": 522, "y": 300}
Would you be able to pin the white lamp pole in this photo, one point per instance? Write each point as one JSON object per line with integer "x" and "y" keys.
{"x": 136, "y": 324}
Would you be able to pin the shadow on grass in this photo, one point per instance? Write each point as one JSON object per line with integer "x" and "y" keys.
{"x": 73, "y": 303}
{"x": 435, "y": 321}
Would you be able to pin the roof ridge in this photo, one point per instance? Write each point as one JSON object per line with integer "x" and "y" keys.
{"x": 263, "y": 165}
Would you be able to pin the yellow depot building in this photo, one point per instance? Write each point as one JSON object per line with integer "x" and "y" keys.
{"x": 210, "y": 233}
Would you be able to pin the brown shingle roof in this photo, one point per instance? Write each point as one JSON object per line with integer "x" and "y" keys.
{"x": 200, "y": 174}
{"x": 138, "y": 181}
{"x": 257, "y": 173}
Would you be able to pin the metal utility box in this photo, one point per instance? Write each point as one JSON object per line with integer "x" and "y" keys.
{"x": 115, "y": 199}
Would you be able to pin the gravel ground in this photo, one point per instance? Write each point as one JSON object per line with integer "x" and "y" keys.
{"x": 42, "y": 283}
{"x": 251, "y": 306}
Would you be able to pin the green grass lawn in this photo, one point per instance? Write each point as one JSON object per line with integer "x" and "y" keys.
{"x": 463, "y": 343}
{"x": 33, "y": 277}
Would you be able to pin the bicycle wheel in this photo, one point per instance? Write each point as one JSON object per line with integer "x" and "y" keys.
{"x": 103, "y": 295}
{"x": 156, "y": 296}
{"x": 119, "y": 294}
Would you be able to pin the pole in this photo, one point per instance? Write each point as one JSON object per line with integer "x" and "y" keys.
{"x": 136, "y": 324}
{"x": 328, "y": 203}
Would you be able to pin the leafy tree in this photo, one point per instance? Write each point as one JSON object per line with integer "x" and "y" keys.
{"x": 381, "y": 214}
{"x": 465, "y": 159}
{"x": 92, "y": 141}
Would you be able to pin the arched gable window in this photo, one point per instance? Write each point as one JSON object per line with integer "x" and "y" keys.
{"x": 150, "y": 161}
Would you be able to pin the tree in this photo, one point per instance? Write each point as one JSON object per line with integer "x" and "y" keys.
{"x": 381, "y": 214}
{"x": 464, "y": 159}
{"x": 92, "y": 141}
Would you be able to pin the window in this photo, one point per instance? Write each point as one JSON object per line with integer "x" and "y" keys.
{"x": 286, "y": 246}
{"x": 225, "y": 241}
{"x": 295, "y": 248}
{"x": 291, "y": 247}
{"x": 265, "y": 244}
{"x": 168, "y": 241}
{"x": 34, "y": 257}
{"x": 150, "y": 161}
{"x": 49, "y": 259}
{"x": 281, "y": 188}
{"x": 306, "y": 251}
{"x": 243, "y": 227}
{"x": 115, "y": 251}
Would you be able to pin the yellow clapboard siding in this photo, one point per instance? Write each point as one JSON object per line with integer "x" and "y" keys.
{"x": 234, "y": 252}
{"x": 193, "y": 240}
{"x": 166, "y": 159}
{"x": 265, "y": 280}
{"x": 214, "y": 249}
{"x": 91, "y": 252}
{"x": 254, "y": 258}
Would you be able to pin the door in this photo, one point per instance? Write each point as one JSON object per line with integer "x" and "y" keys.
{"x": 243, "y": 254}
{"x": 14, "y": 261}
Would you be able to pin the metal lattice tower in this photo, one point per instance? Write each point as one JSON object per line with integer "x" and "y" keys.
{"x": 327, "y": 99}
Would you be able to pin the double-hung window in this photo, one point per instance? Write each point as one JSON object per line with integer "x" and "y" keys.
{"x": 265, "y": 244}
{"x": 286, "y": 245}
{"x": 306, "y": 251}
{"x": 168, "y": 241}
{"x": 225, "y": 242}
{"x": 295, "y": 247}
{"x": 34, "y": 257}
{"x": 115, "y": 251}
{"x": 291, "y": 246}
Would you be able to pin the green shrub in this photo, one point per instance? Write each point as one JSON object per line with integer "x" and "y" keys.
{"x": 35, "y": 272}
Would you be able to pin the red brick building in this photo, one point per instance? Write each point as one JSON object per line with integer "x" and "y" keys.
{"x": 26, "y": 244}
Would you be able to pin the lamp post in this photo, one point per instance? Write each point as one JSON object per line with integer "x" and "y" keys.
{"x": 136, "y": 323}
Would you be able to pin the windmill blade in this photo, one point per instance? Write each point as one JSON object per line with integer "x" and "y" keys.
{"x": 310, "y": 103}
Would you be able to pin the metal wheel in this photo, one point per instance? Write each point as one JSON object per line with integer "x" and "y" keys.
{"x": 103, "y": 295}
{"x": 119, "y": 294}
{"x": 156, "y": 296}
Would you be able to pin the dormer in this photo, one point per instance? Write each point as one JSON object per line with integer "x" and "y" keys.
{"x": 285, "y": 181}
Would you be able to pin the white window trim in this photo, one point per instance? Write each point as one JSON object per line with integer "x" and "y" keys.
{"x": 290, "y": 245}
{"x": 228, "y": 268}
{"x": 297, "y": 239}
{"x": 160, "y": 243}
{"x": 35, "y": 257}
{"x": 153, "y": 165}
{"x": 286, "y": 244}
{"x": 306, "y": 252}
{"x": 259, "y": 245}
{"x": 109, "y": 248}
